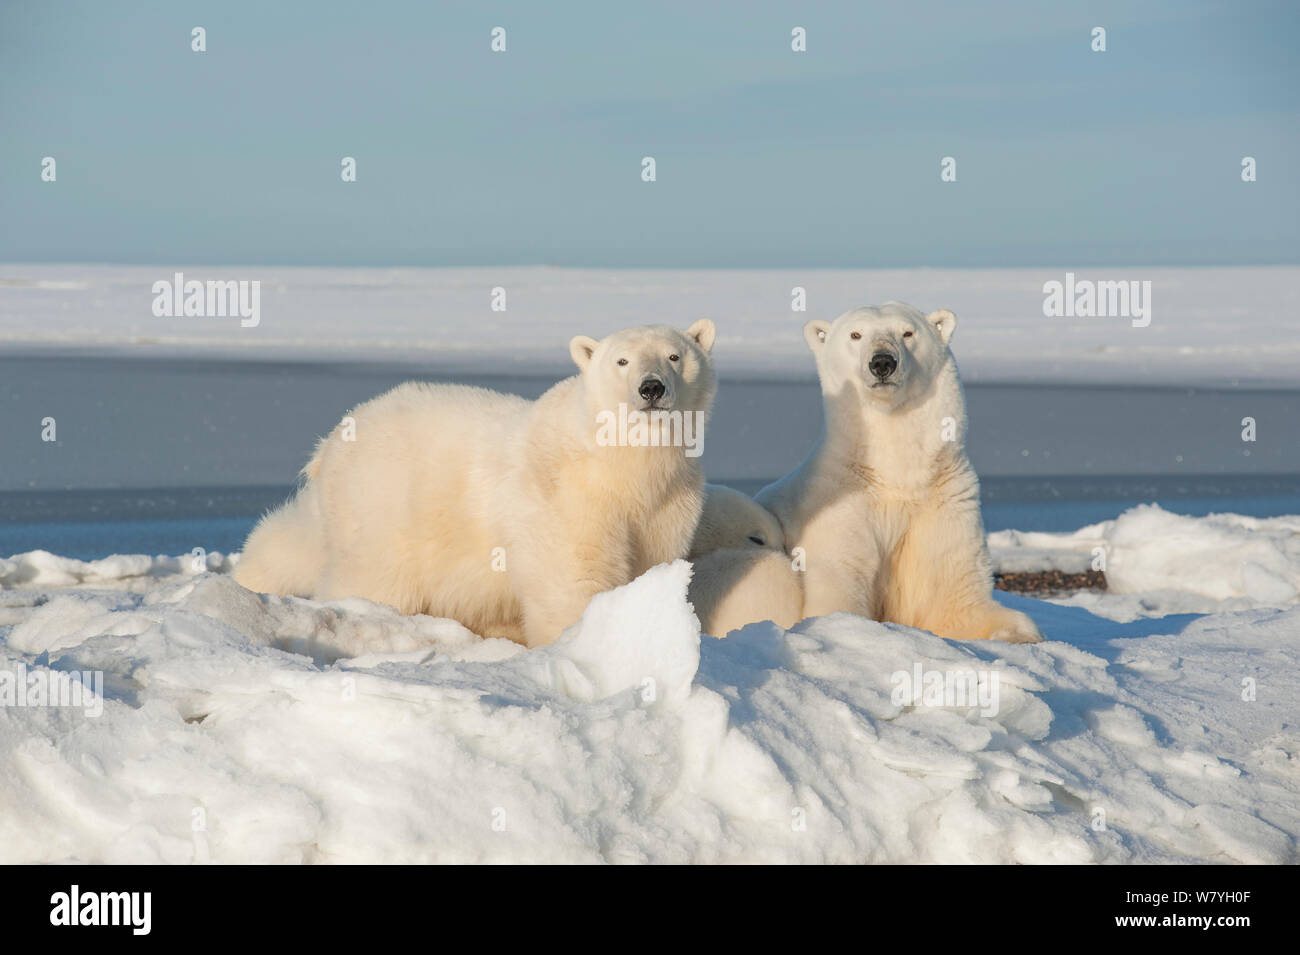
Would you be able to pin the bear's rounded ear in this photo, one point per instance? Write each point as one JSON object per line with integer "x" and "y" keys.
{"x": 816, "y": 332}
{"x": 944, "y": 322}
{"x": 582, "y": 348}
{"x": 703, "y": 333}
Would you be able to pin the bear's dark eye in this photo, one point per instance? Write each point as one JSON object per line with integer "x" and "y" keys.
{"x": 674, "y": 357}
{"x": 622, "y": 361}
{"x": 907, "y": 334}
{"x": 757, "y": 540}
{"x": 855, "y": 335}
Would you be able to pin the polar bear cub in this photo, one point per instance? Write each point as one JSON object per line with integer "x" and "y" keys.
{"x": 742, "y": 574}
{"x": 886, "y": 506}
{"x": 504, "y": 514}
{"x": 731, "y": 519}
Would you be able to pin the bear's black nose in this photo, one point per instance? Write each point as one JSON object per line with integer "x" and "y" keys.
{"x": 652, "y": 389}
{"x": 882, "y": 364}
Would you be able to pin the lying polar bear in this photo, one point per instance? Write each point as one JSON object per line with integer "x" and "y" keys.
{"x": 885, "y": 509}
{"x": 504, "y": 514}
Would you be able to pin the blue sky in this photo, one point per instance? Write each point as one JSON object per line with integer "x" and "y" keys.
{"x": 765, "y": 157}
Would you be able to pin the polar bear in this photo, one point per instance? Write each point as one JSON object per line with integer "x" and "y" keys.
{"x": 504, "y": 514}
{"x": 742, "y": 574}
{"x": 886, "y": 506}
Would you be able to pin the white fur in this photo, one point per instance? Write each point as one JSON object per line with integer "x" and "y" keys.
{"x": 411, "y": 513}
{"x": 886, "y": 507}
{"x": 742, "y": 574}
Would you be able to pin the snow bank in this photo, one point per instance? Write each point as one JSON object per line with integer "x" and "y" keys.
{"x": 1173, "y": 563}
{"x": 244, "y": 728}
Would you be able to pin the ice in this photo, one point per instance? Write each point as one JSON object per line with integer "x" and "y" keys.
{"x": 445, "y": 316}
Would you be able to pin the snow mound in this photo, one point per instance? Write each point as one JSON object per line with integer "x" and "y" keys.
{"x": 245, "y": 728}
{"x": 1179, "y": 564}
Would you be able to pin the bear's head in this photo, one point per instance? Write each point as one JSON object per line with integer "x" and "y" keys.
{"x": 733, "y": 520}
{"x": 884, "y": 354}
{"x": 648, "y": 368}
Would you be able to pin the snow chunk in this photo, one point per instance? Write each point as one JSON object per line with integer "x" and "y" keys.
{"x": 642, "y": 635}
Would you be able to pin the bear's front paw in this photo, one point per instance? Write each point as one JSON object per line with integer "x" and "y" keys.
{"x": 1016, "y": 627}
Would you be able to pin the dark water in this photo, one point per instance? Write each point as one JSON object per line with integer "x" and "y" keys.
{"x": 162, "y": 456}
{"x": 150, "y": 423}
{"x": 90, "y": 524}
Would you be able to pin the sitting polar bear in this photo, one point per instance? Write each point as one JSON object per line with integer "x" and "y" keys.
{"x": 885, "y": 509}
{"x": 504, "y": 514}
{"x": 742, "y": 574}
